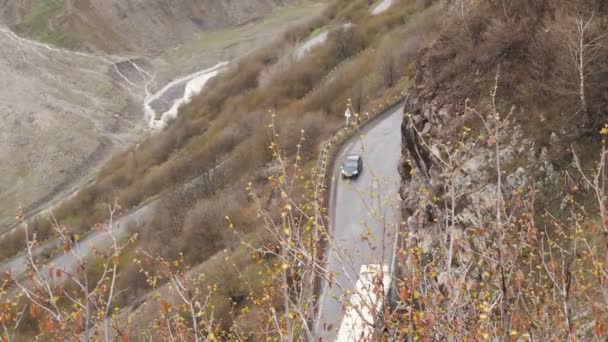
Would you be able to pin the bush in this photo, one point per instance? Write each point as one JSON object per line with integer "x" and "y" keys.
{"x": 310, "y": 126}
{"x": 205, "y": 230}
{"x": 346, "y": 42}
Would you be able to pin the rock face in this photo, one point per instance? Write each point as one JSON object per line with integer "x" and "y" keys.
{"x": 131, "y": 25}
{"x": 484, "y": 131}
{"x": 447, "y": 164}
{"x": 489, "y": 177}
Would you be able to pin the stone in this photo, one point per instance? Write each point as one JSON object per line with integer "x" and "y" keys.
{"x": 554, "y": 139}
{"x": 426, "y": 129}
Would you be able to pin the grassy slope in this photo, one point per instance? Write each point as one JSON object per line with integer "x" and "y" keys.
{"x": 41, "y": 20}
{"x": 71, "y": 25}
{"x": 230, "y": 43}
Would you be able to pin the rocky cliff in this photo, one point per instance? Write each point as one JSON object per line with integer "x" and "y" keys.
{"x": 517, "y": 66}
{"x": 503, "y": 169}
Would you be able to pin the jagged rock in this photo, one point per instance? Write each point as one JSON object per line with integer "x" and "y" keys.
{"x": 436, "y": 129}
{"x": 426, "y": 129}
{"x": 516, "y": 180}
{"x": 554, "y": 139}
{"x": 427, "y": 113}
{"x": 543, "y": 155}
{"x": 475, "y": 164}
{"x": 444, "y": 114}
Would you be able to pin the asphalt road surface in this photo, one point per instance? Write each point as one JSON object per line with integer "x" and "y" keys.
{"x": 364, "y": 214}
{"x": 95, "y": 241}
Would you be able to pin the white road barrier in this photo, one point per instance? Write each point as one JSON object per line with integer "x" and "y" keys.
{"x": 365, "y": 304}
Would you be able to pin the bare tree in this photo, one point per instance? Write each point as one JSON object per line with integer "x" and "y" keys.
{"x": 584, "y": 45}
{"x": 388, "y": 68}
{"x": 90, "y": 305}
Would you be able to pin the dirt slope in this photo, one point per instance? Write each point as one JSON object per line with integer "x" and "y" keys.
{"x": 61, "y": 114}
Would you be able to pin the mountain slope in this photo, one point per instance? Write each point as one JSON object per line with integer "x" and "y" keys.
{"x": 135, "y": 26}
{"x": 196, "y": 169}
{"x": 62, "y": 113}
{"x": 66, "y": 110}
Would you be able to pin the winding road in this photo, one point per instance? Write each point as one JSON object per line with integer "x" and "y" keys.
{"x": 364, "y": 215}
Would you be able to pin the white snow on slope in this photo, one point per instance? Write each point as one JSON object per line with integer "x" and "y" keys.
{"x": 317, "y": 40}
{"x": 194, "y": 84}
{"x": 381, "y": 7}
{"x": 310, "y": 44}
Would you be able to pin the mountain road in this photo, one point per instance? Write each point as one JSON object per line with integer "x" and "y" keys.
{"x": 364, "y": 215}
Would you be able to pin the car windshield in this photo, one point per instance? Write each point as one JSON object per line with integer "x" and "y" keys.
{"x": 350, "y": 163}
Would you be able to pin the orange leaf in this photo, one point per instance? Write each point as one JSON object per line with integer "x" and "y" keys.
{"x": 164, "y": 306}
{"x": 553, "y": 266}
{"x": 78, "y": 322}
{"x": 58, "y": 273}
{"x": 35, "y": 311}
{"x": 404, "y": 294}
{"x": 599, "y": 328}
{"x": 519, "y": 279}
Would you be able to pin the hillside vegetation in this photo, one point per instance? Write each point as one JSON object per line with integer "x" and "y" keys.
{"x": 198, "y": 169}
{"x": 226, "y": 126}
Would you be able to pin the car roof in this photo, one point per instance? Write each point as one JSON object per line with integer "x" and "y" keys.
{"x": 353, "y": 157}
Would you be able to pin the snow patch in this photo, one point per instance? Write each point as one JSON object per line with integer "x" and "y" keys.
{"x": 310, "y": 44}
{"x": 381, "y": 7}
{"x": 194, "y": 84}
{"x": 316, "y": 41}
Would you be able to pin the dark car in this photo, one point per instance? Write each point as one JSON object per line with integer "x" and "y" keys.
{"x": 353, "y": 164}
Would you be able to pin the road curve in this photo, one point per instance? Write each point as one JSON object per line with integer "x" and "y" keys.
{"x": 364, "y": 215}
{"x": 97, "y": 240}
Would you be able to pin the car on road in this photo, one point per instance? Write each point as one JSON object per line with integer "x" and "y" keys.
{"x": 352, "y": 166}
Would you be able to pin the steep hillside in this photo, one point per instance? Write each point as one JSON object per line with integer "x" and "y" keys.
{"x": 129, "y": 26}
{"x": 62, "y": 114}
{"x": 203, "y": 182}
{"x": 503, "y": 171}
{"x": 88, "y": 104}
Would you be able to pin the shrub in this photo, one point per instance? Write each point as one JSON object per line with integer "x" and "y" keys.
{"x": 205, "y": 229}
{"x": 310, "y": 126}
